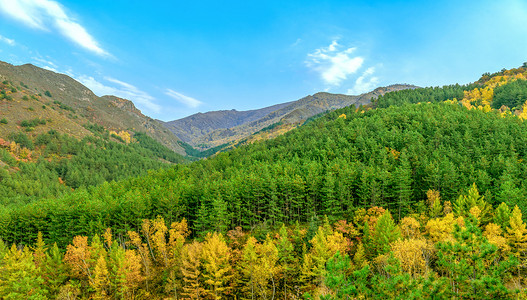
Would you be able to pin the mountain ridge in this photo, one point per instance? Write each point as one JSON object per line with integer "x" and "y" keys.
{"x": 211, "y": 129}
{"x": 56, "y": 89}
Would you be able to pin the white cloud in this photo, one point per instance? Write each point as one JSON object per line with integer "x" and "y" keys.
{"x": 186, "y": 100}
{"x": 124, "y": 90}
{"x": 42, "y": 14}
{"x": 50, "y": 69}
{"x": 333, "y": 65}
{"x": 365, "y": 83}
{"x": 10, "y": 42}
{"x": 44, "y": 61}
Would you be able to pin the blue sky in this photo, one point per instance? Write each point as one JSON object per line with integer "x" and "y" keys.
{"x": 176, "y": 58}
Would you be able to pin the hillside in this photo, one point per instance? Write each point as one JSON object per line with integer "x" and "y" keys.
{"x": 212, "y": 129}
{"x": 74, "y": 105}
{"x": 418, "y": 195}
{"x": 50, "y": 145}
{"x": 343, "y": 160}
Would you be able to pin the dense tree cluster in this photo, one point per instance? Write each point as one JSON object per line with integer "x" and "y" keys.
{"x": 513, "y": 94}
{"x": 52, "y": 164}
{"x": 429, "y": 94}
{"x": 464, "y": 249}
{"x": 332, "y": 166}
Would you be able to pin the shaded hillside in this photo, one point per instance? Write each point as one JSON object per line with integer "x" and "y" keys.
{"x": 215, "y": 128}
{"x": 202, "y": 124}
{"x": 76, "y": 103}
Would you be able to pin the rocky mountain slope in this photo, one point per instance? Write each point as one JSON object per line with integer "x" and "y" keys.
{"x": 211, "y": 129}
{"x": 32, "y": 92}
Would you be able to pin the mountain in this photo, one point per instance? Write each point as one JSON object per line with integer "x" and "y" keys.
{"x": 374, "y": 202}
{"x": 211, "y": 129}
{"x": 33, "y": 90}
{"x": 339, "y": 163}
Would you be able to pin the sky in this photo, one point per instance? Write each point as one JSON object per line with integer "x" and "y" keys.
{"x": 177, "y": 58}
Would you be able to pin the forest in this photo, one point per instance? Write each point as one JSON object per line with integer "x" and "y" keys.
{"x": 53, "y": 164}
{"x": 461, "y": 249}
{"x": 419, "y": 195}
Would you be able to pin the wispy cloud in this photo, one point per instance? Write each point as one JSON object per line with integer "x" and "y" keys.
{"x": 365, "y": 83}
{"x": 43, "y": 61}
{"x": 334, "y": 64}
{"x": 124, "y": 90}
{"x": 46, "y": 14}
{"x": 297, "y": 42}
{"x": 10, "y": 42}
{"x": 186, "y": 100}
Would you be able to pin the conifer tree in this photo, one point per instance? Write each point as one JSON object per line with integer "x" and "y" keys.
{"x": 403, "y": 188}
{"x": 336, "y": 278}
{"x": 101, "y": 280}
{"x": 20, "y": 277}
{"x": 54, "y": 270}
{"x": 287, "y": 261}
{"x": 217, "y": 271}
{"x": 517, "y": 237}
{"x": 385, "y": 233}
{"x": 471, "y": 264}
{"x": 434, "y": 203}
{"x": 502, "y": 215}
{"x": 191, "y": 269}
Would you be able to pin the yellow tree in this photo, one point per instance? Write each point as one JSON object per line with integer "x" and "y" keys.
{"x": 248, "y": 266}
{"x": 177, "y": 235}
{"x": 414, "y": 255}
{"x": 494, "y": 235}
{"x": 410, "y": 228}
{"x": 359, "y": 259}
{"x": 191, "y": 270}
{"x": 19, "y": 276}
{"x": 79, "y": 258}
{"x": 440, "y": 229}
{"x": 158, "y": 236}
{"x": 143, "y": 251}
{"x": 101, "y": 280}
{"x": 217, "y": 270}
{"x": 39, "y": 252}
{"x": 517, "y": 236}
{"x": 267, "y": 269}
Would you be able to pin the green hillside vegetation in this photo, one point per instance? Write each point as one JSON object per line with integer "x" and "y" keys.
{"x": 52, "y": 164}
{"x": 332, "y": 166}
{"x": 419, "y": 195}
{"x": 48, "y": 149}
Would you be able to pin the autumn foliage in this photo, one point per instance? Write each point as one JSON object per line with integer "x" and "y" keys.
{"x": 437, "y": 254}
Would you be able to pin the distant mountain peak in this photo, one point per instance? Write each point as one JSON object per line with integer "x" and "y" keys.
{"x": 214, "y": 128}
